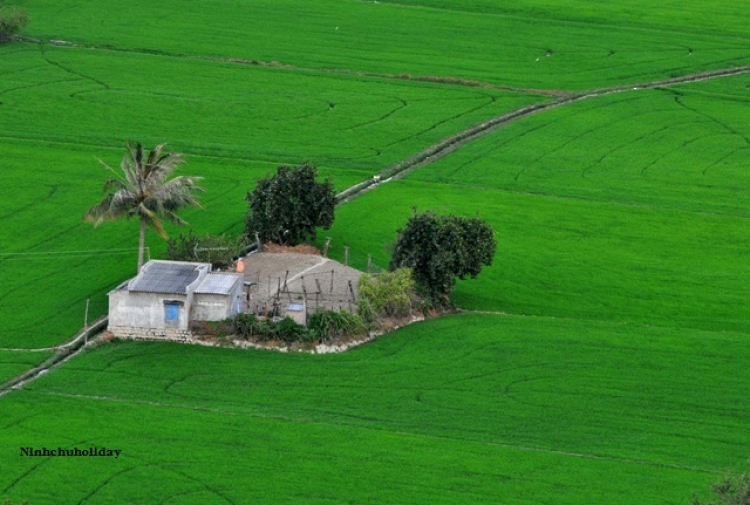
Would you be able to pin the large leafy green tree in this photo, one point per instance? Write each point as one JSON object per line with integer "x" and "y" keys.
{"x": 144, "y": 191}
{"x": 287, "y": 208}
{"x": 12, "y": 20}
{"x": 439, "y": 249}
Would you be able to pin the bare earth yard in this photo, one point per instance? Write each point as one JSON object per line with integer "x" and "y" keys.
{"x": 294, "y": 278}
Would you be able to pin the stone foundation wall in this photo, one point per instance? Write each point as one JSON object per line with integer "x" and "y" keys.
{"x": 170, "y": 334}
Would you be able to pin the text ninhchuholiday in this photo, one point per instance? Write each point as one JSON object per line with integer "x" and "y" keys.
{"x": 74, "y": 452}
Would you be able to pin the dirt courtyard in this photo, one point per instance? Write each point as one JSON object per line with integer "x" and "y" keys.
{"x": 290, "y": 278}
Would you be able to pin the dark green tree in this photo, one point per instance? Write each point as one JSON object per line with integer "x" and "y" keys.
{"x": 439, "y": 249}
{"x": 730, "y": 492}
{"x": 287, "y": 208}
{"x": 12, "y": 20}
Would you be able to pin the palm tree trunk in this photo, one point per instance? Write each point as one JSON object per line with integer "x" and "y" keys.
{"x": 141, "y": 243}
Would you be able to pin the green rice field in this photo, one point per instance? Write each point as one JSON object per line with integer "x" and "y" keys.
{"x": 600, "y": 359}
{"x": 466, "y": 409}
{"x": 13, "y": 363}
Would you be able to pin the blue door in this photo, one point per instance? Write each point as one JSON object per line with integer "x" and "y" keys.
{"x": 171, "y": 312}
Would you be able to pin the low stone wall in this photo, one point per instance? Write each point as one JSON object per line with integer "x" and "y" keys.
{"x": 169, "y": 334}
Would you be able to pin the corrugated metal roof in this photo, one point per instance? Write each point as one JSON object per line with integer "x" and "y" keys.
{"x": 218, "y": 284}
{"x": 165, "y": 277}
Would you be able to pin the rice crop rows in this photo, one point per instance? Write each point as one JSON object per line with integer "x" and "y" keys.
{"x": 531, "y": 44}
{"x": 523, "y": 410}
{"x": 14, "y": 362}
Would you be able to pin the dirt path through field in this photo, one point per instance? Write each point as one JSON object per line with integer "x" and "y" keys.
{"x": 443, "y": 147}
{"x": 446, "y": 146}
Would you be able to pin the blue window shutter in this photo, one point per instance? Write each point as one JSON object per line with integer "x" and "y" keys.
{"x": 171, "y": 311}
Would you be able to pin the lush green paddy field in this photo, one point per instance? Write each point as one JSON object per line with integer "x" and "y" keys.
{"x": 589, "y": 44}
{"x": 576, "y": 258}
{"x": 13, "y": 363}
{"x": 467, "y": 409}
{"x": 627, "y": 207}
{"x": 622, "y": 220}
{"x": 63, "y": 107}
{"x": 681, "y": 148}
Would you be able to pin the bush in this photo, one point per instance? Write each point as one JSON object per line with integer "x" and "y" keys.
{"x": 730, "y": 492}
{"x": 12, "y": 20}
{"x": 327, "y": 325}
{"x": 247, "y": 325}
{"x": 389, "y": 294}
{"x": 212, "y": 328}
{"x": 218, "y": 250}
{"x": 250, "y": 326}
{"x": 324, "y": 325}
{"x": 288, "y": 331}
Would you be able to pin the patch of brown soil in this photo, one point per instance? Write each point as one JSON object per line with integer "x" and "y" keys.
{"x": 299, "y": 249}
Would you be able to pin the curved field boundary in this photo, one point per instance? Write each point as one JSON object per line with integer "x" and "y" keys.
{"x": 450, "y": 144}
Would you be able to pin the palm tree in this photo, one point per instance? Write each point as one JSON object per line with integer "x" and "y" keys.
{"x": 144, "y": 192}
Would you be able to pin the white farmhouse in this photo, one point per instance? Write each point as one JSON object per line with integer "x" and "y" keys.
{"x": 166, "y": 296}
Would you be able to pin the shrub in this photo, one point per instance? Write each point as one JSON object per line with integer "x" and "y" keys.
{"x": 248, "y": 325}
{"x": 327, "y": 325}
{"x": 388, "y": 294}
{"x": 288, "y": 331}
{"x": 218, "y": 250}
{"x": 12, "y": 20}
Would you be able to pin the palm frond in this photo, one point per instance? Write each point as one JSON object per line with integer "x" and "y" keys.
{"x": 152, "y": 219}
{"x": 178, "y": 192}
{"x": 115, "y": 173}
{"x": 114, "y": 185}
{"x": 142, "y": 189}
{"x": 99, "y": 212}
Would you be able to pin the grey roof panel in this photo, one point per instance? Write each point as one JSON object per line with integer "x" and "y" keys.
{"x": 165, "y": 277}
{"x": 218, "y": 284}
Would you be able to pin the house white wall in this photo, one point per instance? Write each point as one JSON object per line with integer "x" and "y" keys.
{"x": 217, "y": 307}
{"x": 210, "y": 308}
{"x": 146, "y": 310}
